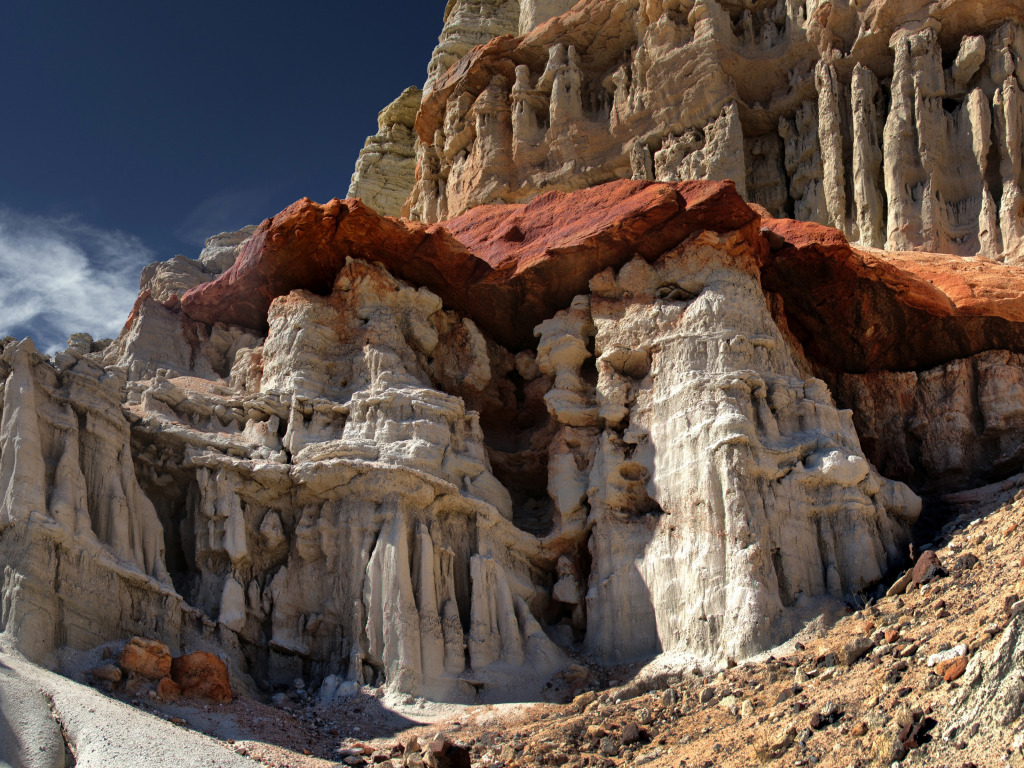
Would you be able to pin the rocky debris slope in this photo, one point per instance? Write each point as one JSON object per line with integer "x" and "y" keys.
{"x": 896, "y": 123}
{"x": 48, "y": 721}
{"x": 928, "y": 675}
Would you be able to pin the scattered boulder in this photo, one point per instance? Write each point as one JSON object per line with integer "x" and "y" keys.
{"x": 775, "y": 746}
{"x": 927, "y": 568}
{"x": 828, "y": 715}
{"x": 608, "y": 747}
{"x": 202, "y": 675}
{"x": 146, "y": 658}
{"x": 886, "y": 748}
{"x": 108, "y": 672}
{"x": 965, "y": 562}
{"x": 854, "y": 650}
{"x": 900, "y": 585}
{"x": 168, "y": 690}
{"x": 949, "y": 653}
{"x": 446, "y": 754}
{"x": 952, "y": 669}
{"x": 584, "y": 700}
{"x": 630, "y": 733}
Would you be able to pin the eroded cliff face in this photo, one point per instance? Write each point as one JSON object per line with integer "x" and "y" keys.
{"x": 436, "y": 457}
{"x": 894, "y": 122}
{"x": 623, "y": 419}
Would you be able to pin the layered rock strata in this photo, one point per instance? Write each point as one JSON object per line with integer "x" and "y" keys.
{"x": 385, "y": 171}
{"x": 895, "y": 123}
{"x": 427, "y": 456}
{"x": 386, "y": 167}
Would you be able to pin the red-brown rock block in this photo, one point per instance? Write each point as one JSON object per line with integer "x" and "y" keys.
{"x": 168, "y": 690}
{"x": 146, "y": 658}
{"x": 509, "y": 267}
{"x": 506, "y": 266}
{"x": 202, "y": 675}
{"x": 952, "y": 668}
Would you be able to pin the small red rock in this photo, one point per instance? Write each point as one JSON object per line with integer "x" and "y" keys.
{"x": 168, "y": 690}
{"x": 955, "y": 669}
{"x": 892, "y": 635}
{"x": 147, "y": 658}
{"x": 927, "y": 568}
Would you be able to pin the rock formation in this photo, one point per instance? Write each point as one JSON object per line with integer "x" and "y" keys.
{"x": 386, "y": 169}
{"x": 895, "y": 123}
{"x": 629, "y": 418}
{"x": 387, "y": 452}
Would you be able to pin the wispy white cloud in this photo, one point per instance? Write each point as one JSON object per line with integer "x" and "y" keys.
{"x": 60, "y": 276}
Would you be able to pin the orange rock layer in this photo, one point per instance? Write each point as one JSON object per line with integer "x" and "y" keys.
{"x": 511, "y": 266}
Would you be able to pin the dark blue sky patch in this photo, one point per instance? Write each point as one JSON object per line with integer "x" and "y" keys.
{"x": 165, "y": 123}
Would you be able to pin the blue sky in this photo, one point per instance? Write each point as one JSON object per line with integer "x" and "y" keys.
{"x": 133, "y": 130}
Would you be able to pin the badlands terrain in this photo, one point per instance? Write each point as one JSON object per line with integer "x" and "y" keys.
{"x": 655, "y": 396}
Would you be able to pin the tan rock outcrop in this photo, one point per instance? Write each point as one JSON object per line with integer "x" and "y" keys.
{"x": 386, "y": 168}
{"x": 791, "y": 100}
{"x": 468, "y": 23}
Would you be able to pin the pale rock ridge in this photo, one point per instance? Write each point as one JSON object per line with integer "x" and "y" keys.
{"x": 801, "y": 103}
{"x": 72, "y": 504}
{"x": 166, "y": 279}
{"x": 154, "y": 340}
{"x": 386, "y": 167}
{"x": 725, "y": 489}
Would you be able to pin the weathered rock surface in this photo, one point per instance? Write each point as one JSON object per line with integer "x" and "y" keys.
{"x": 386, "y": 168}
{"x": 201, "y": 675}
{"x": 991, "y": 700}
{"x": 146, "y": 658}
{"x": 895, "y": 122}
{"x": 384, "y": 480}
{"x": 944, "y": 428}
{"x": 406, "y": 454}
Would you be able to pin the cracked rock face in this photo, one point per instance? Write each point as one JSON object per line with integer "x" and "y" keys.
{"x": 376, "y": 452}
{"x": 897, "y": 123}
